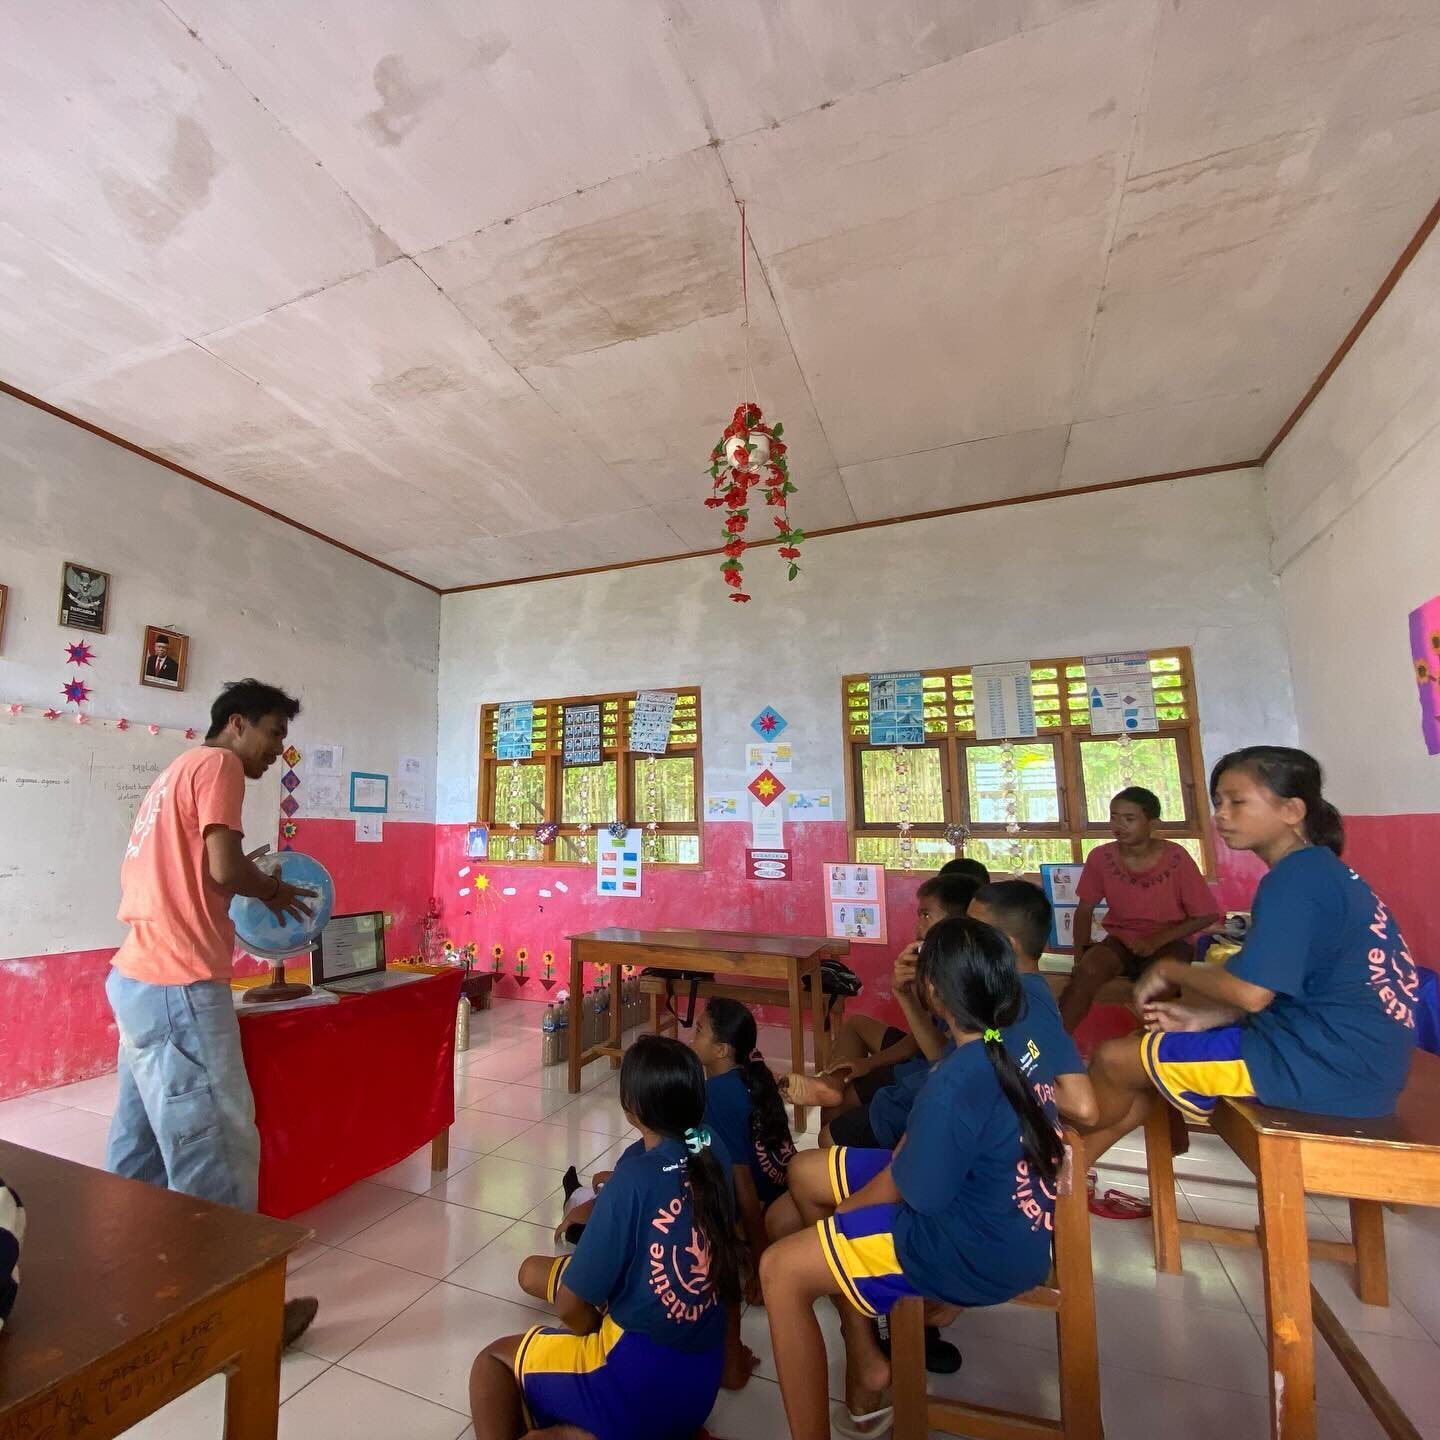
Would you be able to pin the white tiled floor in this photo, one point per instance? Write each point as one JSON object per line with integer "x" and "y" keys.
{"x": 415, "y": 1272}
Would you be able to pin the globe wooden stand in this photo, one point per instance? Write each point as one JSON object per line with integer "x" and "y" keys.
{"x": 279, "y": 988}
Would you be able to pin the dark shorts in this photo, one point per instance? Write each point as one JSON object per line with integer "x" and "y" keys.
{"x": 867, "y": 1085}
{"x": 852, "y": 1127}
{"x": 1132, "y": 966}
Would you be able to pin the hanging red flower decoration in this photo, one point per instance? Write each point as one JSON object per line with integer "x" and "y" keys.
{"x": 751, "y": 453}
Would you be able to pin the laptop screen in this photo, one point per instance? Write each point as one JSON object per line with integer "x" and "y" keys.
{"x": 349, "y": 945}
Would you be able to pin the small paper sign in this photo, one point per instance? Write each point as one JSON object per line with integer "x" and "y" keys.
{"x": 767, "y": 864}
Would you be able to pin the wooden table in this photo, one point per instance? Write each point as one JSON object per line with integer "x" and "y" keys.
{"x": 709, "y": 952}
{"x": 129, "y": 1296}
{"x": 1395, "y": 1160}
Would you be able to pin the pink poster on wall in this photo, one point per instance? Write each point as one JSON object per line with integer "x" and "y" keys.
{"x": 1425, "y": 652}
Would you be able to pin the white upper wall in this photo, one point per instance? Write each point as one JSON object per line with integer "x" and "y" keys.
{"x": 1354, "y": 501}
{"x": 1182, "y": 563}
{"x": 255, "y": 596}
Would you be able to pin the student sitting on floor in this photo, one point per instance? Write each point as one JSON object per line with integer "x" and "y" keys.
{"x": 744, "y": 1109}
{"x": 643, "y": 1297}
{"x": 869, "y": 1054}
{"x": 1157, "y": 897}
{"x": 963, "y": 1215}
{"x": 1315, "y": 1012}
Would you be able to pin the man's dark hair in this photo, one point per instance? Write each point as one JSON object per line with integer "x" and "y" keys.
{"x": 253, "y": 701}
{"x": 1020, "y": 909}
{"x": 953, "y": 892}
{"x": 964, "y": 865}
{"x": 162, "y": 640}
{"x": 1147, "y": 801}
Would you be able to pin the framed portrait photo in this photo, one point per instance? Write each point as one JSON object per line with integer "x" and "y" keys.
{"x": 163, "y": 661}
{"x": 84, "y": 597}
{"x": 4, "y": 596}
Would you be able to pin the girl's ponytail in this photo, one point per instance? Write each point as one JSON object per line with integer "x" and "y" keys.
{"x": 1044, "y": 1150}
{"x": 714, "y": 1214}
{"x": 732, "y": 1024}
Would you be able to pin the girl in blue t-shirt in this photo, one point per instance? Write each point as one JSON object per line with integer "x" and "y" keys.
{"x": 644, "y": 1295}
{"x": 963, "y": 1211}
{"x": 1317, "y": 1010}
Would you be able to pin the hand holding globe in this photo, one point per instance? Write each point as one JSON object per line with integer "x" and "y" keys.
{"x": 287, "y": 922}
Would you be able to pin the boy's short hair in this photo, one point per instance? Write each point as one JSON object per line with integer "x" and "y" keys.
{"x": 1147, "y": 800}
{"x": 1021, "y": 910}
{"x": 964, "y": 865}
{"x": 953, "y": 892}
{"x": 251, "y": 699}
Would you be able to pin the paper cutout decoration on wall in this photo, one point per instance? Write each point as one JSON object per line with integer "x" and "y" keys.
{"x": 79, "y": 654}
{"x": 1425, "y": 653}
{"x": 769, "y": 723}
{"x": 897, "y": 708}
{"x": 766, "y": 788}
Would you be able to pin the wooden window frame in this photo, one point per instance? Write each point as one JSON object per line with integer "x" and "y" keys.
{"x": 628, "y": 767}
{"x": 949, "y": 727}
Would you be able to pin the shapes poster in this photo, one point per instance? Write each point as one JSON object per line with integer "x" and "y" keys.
{"x": 1425, "y": 654}
{"x": 855, "y": 903}
{"x": 514, "y": 722}
{"x": 897, "y": 708}
{"x": 581, "y": 737}
{"x": 618, "y": 866}
{"x": 650, "y": 722}
{"x": 1004, "y": 700}
{"x": 1120, "y": 692}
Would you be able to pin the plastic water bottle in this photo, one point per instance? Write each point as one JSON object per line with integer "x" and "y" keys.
{"x": 549, "y": 1041}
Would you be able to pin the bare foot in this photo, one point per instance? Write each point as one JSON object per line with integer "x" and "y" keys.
{"x": 738, "y": 1368}
{"x": 867, "y": 1377}
{"x": 811, "y": 1090}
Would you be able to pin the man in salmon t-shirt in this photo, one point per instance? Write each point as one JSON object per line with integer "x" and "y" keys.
{"x": 184, "y": 1116}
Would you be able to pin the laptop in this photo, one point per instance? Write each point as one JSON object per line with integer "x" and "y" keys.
{"x": 349, "y": 957}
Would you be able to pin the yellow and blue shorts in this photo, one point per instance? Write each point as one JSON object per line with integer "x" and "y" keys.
{"x": 1194, "y": 1072}
{"x": 617, "y": 1384}
{"x": 853, "y": 1168}
{"x": 859, "y": 1248}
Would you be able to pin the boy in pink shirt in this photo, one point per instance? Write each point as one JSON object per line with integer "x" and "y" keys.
{"x": 1157, "y": 897}
{"x": 184, "y": 1115}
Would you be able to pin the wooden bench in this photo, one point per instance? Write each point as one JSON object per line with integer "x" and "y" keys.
{"x": 1070, "y": 1295}
{"x": 1396, "y": 1161}
{"x": 1365, "y": 1250}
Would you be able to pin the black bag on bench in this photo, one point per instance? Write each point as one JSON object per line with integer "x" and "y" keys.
{"x": 671, "y": 978}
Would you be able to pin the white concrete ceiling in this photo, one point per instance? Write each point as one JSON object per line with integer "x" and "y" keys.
{"x": 457, "y": 284}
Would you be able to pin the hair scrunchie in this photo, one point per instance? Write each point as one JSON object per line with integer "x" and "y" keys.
{"x": 994, "y": 1035}
{"x": 697, "y": 1138}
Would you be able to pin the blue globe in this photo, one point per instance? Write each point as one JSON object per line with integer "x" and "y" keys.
{"x": 269, "y": 938}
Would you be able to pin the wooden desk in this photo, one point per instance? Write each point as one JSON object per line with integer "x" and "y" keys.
{"x": 710, "y": 952}
{"x": 129, "y": 1296}
{"x": 1395, "y": 1161}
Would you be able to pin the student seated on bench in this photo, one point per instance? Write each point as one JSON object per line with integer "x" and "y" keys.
{"x": 1317, "y": 1010}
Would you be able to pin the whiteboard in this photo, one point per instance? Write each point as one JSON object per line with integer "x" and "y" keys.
{"x": 68, "y": 797}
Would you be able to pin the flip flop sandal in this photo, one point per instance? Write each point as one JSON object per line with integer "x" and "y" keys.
{"x": 1117, "y": 1205}
{"x": 874, "y": 1426}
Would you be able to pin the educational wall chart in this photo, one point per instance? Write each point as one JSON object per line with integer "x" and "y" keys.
{"x": 897, "y": 708}
{"x": 726, "y": 806}
{"x": 1121, "y": 693}
{"x": 369, "y": 792}
{"x": 581, "y": 742}
{"x": 1062, "y": 883}
{"x": 855, "y": 903}
{"x": 779, "y": 759}
{"x": 514, "y": 722}
{"x": 1004, "y": 700}
{"x": 811, "y": 804}
{"x": 650, "y": 722}
{"x": 618, "y": 866}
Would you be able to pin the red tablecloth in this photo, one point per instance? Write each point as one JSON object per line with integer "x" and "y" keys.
{"x": 345, "y": 1091}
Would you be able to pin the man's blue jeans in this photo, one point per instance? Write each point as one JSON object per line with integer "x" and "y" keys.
{"x": 185, "y": 1117}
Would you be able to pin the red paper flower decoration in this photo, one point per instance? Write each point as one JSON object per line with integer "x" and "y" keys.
{"x": 751, "y": 453}
{"x": 52, "y": 714}
{"x": 122, "y": 723}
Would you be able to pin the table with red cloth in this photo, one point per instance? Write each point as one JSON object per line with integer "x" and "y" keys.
{"x": 344, "y": 1091}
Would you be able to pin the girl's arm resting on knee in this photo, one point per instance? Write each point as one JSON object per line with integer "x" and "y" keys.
{"x": 1075, "y": 1099}
{"x": 575, "y": 1314}
{"x": 1204, "y": 982}
{"x": 1166, "y": 934}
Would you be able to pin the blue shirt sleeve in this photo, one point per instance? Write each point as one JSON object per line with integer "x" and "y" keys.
{"x": 601, "y": 1258}
{"x": 1288, "y": 919}
{"x": 939, "y": 1142}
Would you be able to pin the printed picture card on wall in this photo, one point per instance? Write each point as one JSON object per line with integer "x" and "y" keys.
{"x": 514, "y": 722}
{"x": 412, "y": 769}
{"x": 326, "y": 794}
{"x": 618, "y": 866}
{"x": 324, "y": 758}
{"x": 412, "y": 799}
{"x": 767, "y": 864}
{"x": 778, "y": 759}
{"x": 1121, "y": 693}
{"x": 727, "y": 805}
{"x": 767, "y": 826}
{"x": 897, "y": 708}
{"x": 650, "y": 722}
{"x": 477, "y": 842}
{"x": 369, "y": 829}
{"x": 855, "y": 903}
{"x": 811, "y": 804}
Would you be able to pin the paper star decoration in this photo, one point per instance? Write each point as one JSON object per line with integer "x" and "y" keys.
{"x": 52, "y": 714}
{"x": 292, "y": 756}
{"x": 766, "y": 788}
{"x": 76, "y": 692}
{"x": 80, "y": 654}
{"x": 769, "y": 723}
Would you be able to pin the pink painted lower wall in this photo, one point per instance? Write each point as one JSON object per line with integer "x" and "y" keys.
{"x": 1400, "y": 856}
{"x": 55, "y": 1024}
